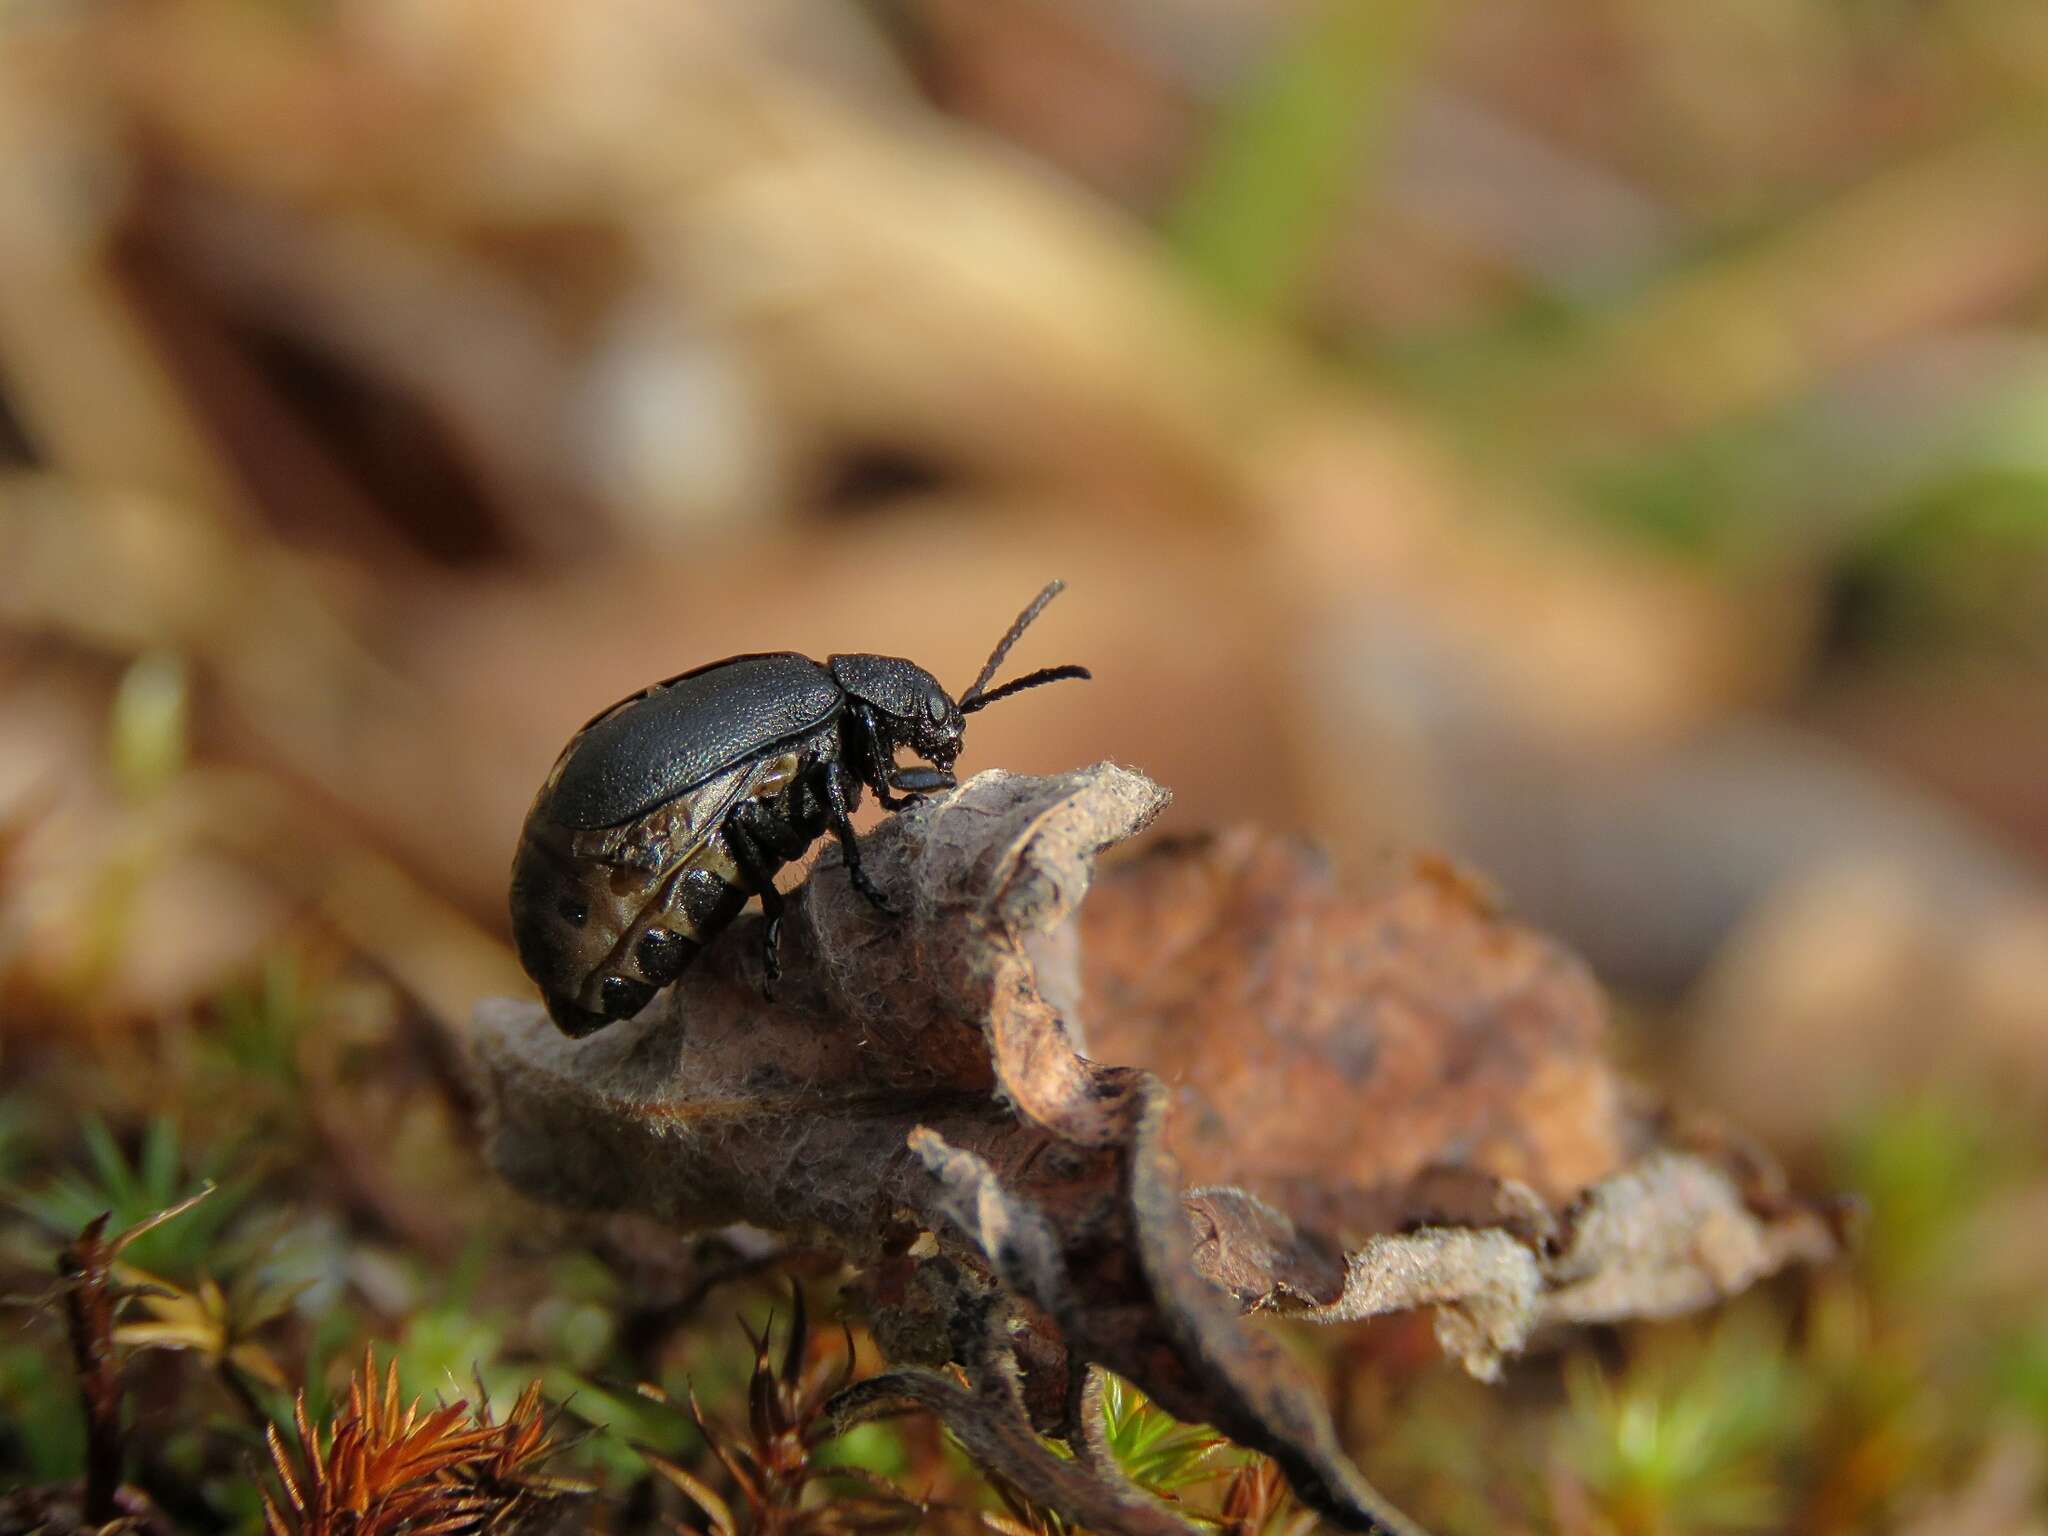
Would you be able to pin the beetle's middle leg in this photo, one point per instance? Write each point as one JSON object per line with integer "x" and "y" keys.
{"x": 838, "y": 812}
{"x": 755, "y": 840}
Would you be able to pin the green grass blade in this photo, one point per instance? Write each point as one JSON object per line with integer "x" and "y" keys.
{"x": 1288, "y": 152}
{"x": 116, "y": 1179}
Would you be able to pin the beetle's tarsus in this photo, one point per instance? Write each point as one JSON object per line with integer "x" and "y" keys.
{"x": 872, "y": 891}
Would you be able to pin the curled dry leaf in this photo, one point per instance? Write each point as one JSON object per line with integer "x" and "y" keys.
{"x": 1385, "y": 1103}
{"x": 1409, "y": 1099}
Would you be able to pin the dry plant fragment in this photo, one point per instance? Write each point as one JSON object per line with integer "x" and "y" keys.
{"x": 770, "y": 1464}
{"x": 215, "y": 1323}
{"x": 93, "y": 1290}
{"x": 928, "y": 1076}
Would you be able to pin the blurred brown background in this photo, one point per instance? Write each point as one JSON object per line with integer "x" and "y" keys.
{"x": 1606, "y": 442}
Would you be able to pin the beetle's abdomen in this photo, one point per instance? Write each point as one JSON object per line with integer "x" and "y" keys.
{"x": 603, "y": 918}
{"x": 703, "y": 900}
{"x": 678, "y": 734}
{"x": 564, "y": 921}
{"x": 700, "y": 901}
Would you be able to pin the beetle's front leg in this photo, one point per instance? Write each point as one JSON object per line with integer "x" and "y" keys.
{"x": 839, "y": 814}
{"x": 917, "y": 784}
{"x": 869, "y": 756}
{"x": 866, "y": 748}
{"x": 922, "y": 783}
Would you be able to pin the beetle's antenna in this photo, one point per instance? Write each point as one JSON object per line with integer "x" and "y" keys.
{"x": 1052, "y": 590}
{"x": 1018, "y": 685}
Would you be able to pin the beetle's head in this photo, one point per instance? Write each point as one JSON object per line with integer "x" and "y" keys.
{"x": 910, "y": 707}
{"x": 913, "y": 710}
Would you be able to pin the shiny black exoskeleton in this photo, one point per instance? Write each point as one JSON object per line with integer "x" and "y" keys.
{"x": 666, "y": 812}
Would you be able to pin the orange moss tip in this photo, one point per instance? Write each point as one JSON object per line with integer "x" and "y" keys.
{"x": 386, "y": 1466}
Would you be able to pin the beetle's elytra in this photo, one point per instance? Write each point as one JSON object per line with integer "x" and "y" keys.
{"x": 667, "y": 811}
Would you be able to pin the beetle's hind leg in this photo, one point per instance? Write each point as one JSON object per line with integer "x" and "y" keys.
{"x": 754, "y": 838}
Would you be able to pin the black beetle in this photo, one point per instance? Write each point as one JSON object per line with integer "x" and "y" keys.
{"x": 667, "y": 811}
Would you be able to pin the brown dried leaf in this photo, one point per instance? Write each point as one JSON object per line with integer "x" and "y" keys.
{"x": 926, "y": 1075}
{"x": 1409, "y": 1063}
{"x": 1331, "y": 1048}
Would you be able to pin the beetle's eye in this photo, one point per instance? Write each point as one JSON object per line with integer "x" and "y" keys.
{"x": 573, "y": 911}
{"x": 935, "y": 706}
